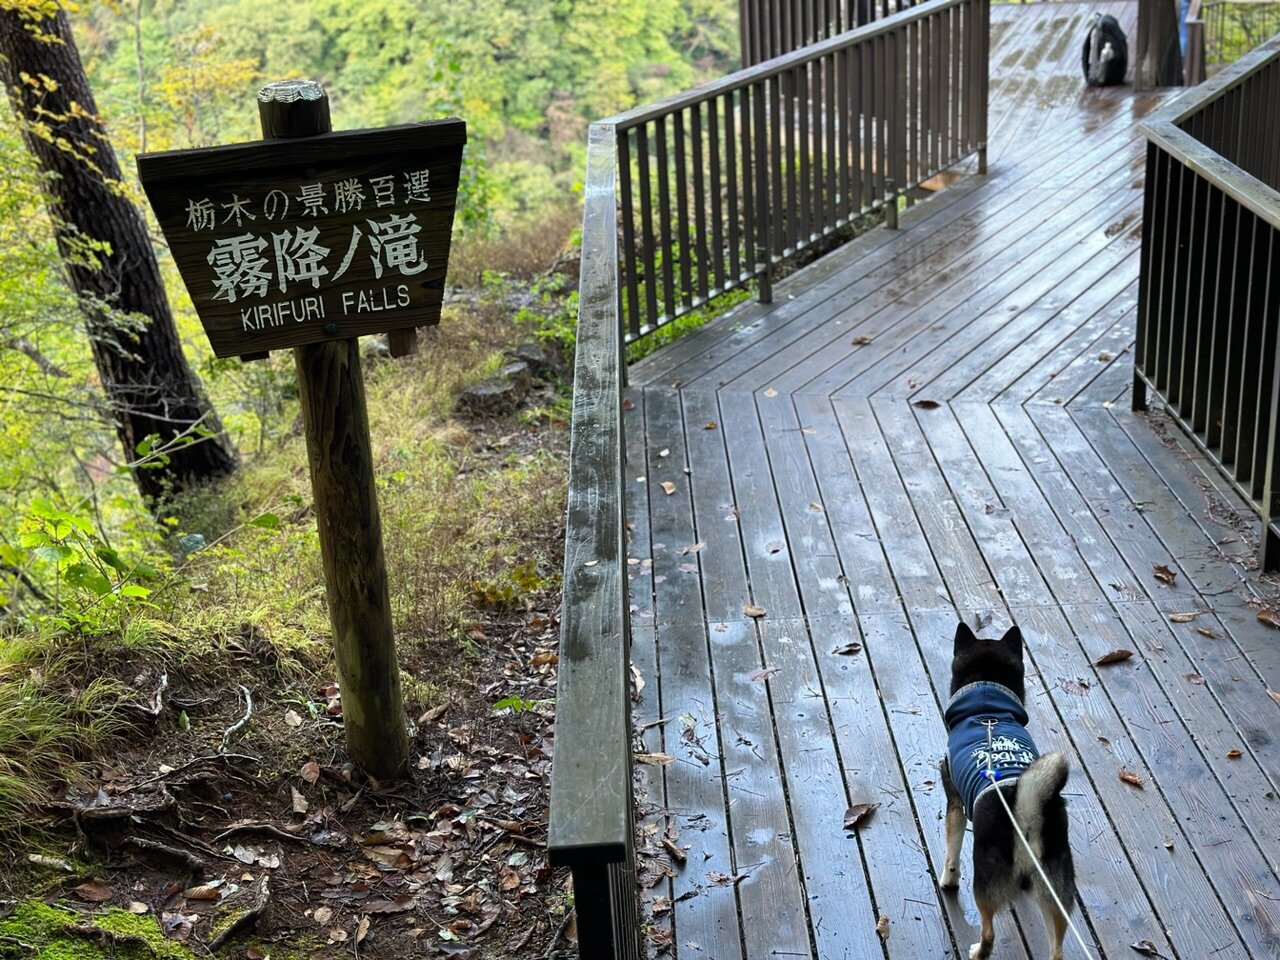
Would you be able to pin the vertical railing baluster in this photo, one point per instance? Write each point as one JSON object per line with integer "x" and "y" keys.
{"x": 1258, "y": 366}
{"x": 630, "y": 256}
{"x": 702, "y": 255}
{"x": 1227, "y": 239}
{"x": 664, "y": 217}
{"x": 781, "y": 137}
{"x": 801, "y": 231}
{"x": 763, "y": 205}
{"x": 732, "y": 187}
{"x": 844, "y": 112}
{"x": 682, "y": 209}
{"x": 646, "y": 223}
{"x": 834, "y": 158}
{"x": 715, "y": 179}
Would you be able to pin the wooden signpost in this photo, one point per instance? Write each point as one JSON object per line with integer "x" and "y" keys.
{"x": 309, "y": 239}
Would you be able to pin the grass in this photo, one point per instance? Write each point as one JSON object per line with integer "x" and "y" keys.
{"x": 458, "y": 509}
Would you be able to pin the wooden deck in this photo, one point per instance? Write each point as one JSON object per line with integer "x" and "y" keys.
{"x": 929, "y": 424}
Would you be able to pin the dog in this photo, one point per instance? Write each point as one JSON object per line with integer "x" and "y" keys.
{"x": 989, "y": 749}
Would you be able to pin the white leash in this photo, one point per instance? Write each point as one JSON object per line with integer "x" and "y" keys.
{"x": 991, "y": 775}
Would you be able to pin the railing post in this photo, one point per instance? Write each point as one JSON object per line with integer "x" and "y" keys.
{"x": 1193, "y": 68}
{"x": 890, "y": 204}
{"x": 983, "y": 40}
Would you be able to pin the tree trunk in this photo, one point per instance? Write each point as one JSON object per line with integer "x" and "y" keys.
{"x": 148, "y": 383}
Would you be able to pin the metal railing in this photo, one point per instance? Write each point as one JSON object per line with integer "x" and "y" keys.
{"x": 1209, "y": 287}
{"x": 774, "y": 28}
{"x": 720, "y": 184}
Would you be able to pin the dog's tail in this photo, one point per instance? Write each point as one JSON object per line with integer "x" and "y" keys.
{"x": 1039, "y": 784}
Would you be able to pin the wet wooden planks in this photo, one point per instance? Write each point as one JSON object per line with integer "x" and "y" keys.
{"x": 832, "y": 507}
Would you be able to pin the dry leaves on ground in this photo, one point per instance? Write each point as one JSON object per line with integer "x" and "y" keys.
{"x": 1115, "y": 656}
{"x": 857, "y": 814}
{"x": 1131, "y": 778}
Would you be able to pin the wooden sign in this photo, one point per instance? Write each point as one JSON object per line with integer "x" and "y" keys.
{"x": 283, "y": 243}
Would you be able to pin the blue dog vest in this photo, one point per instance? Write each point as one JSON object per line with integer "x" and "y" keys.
{"x": 1008, "y": 749}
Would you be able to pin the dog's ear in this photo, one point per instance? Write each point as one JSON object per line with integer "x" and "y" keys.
{"x": 964, "y": 636}
{"x": 1013, "y": 639}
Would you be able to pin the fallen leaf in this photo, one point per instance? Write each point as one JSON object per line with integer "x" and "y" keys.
{"x": 244, "y": 854}
{"x": 310, "y": 771}
{"x": 1234, "y": 754}
{"x": 94, "y": 892}
{"x": 1115, "y": 656}
{"x": 692, "y": 548}
{"x": 1146, "y": 948}
{"x": 764, "y": 674}
{"x": 299, "y": 801}
{"x": 1196, "y": 679}
{"x": 882, "y": 928}
{"x": 849, "y": 649}
{"x": 723, "y": 879}
{"x": 1186, "y": 617}
{"x": 668, "y": 487}
{"x": 1131, "y": 778}
{"x": 1104, "y": 356}
{"x": 654, "y": 759}
{"x": 1269, "y": 617}
{"x": 926, "y": 405}
{"x": 861, "y": 340}
{"x": 176, "y": 927}
{"x": 628, "y": 404}
{"x": 292, "y": 719}
{"x": 771, "y": 393}
{"x": 664, "y": 452}
{"x": 677, "y": 854}
{"x": 137, "y": 906}
{"x": 432, "y": 715}
{"x": 362, "y": 930}
{"x": 205, "y": 891}
{"x": 856, "y": 814}
{"x": 256, "y": 953}
{"x": 323, "y": 915}
{"x": 1163, "y": 573}
{"x": 1168, "y": 843}
{"x": 1274, "y": 696}
{"x": 711, "y": 425}
{"x": 401, "y": 904}
{"x": 338, "y": 935}
{"x": 752, "y": 611}
{"x": 508, "y": 879}
{"x": 1206, "y": 632}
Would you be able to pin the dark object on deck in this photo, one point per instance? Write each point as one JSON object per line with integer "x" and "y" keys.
{"x": 1106, "y": 52}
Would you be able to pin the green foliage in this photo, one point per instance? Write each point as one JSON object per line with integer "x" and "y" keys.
{"x": 691, "y": 321}
{"x": 521, "y": 705}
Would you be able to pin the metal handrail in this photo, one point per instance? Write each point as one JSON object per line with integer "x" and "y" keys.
{"x": 1209, "y": 281}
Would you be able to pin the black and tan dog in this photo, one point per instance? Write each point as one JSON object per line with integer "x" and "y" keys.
{"x": 989, "y": 749}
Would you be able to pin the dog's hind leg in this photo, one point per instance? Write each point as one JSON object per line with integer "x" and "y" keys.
{"x": 950, "y": 879}
{"x": 1054, "y": 922}
{"x": 982, "y": 949}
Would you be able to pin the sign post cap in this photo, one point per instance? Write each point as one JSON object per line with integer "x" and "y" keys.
{"x": 287, "y": 91}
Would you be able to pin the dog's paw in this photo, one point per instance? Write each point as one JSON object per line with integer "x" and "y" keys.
{"x": 976, "y": 952}
{"x": 950, "y": 879}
